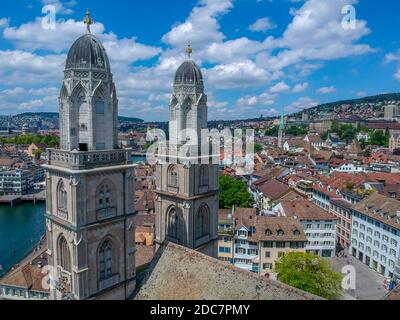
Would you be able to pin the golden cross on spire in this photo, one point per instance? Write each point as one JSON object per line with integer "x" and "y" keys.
{"x": 189, "y": 50}
{"x": 88, "y": 21}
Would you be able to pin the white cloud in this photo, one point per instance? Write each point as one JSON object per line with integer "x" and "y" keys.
{"x": 262, "y": 25}
{"x": 301, "y": 104}
{"x": 326, "y": 90}
{"x": 263, "y": 99}
{"x": 279, "y": 87}
{"x": 201, "y": 27}
{"x": 300, "y": 87}
{"x": 62, "y": 7}
{"x": 313, "y": 36}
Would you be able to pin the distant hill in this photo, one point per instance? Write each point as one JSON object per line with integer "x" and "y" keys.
{"x": 54, "y": 115}
{"x": 377, "y": 100}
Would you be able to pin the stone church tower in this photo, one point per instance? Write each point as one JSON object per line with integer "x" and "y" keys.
{"x": 187, "y": 182}
{"x": 89, "y": 184}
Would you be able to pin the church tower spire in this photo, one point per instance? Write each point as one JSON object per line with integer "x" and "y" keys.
{"x": 187, "y": 187}
{"x": 281, "y": 131}
{"x": 88, "y": 99}
{"x": 89, "y": 185}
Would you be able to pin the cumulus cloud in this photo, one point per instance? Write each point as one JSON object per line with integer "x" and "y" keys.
{"x": 262, "y": 25}
{"x": 326, "y": 90}
{"x": 279, "y": 87}
{"x": 313, "y": 36}
{"x": 300, "y": 87}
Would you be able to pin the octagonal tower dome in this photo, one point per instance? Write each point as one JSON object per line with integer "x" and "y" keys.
{"x": 88, "y": 53}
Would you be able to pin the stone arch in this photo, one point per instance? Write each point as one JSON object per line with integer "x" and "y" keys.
{"x": 173, "y": 176}
{"x": 64, "y": 92}
{"x": 202, "y": 221}
{"x": 62, "y": 197}
{"x": 64, "y": 254}
{"x": 175, "y": 226}
{"x": 204, "y": 175}
{"x": 107, "y": 257}
{"x": 78, "y": 91}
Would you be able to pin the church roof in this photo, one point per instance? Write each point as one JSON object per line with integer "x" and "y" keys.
{"x": 188, "y": 73}
{"x": 87, "y": 52}
{"x": 179, "y": 273}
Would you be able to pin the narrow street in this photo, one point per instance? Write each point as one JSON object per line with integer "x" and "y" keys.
{"x": 369, "y": 284}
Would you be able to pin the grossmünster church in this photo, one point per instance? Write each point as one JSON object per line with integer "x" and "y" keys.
{"x": 90, "y": 214}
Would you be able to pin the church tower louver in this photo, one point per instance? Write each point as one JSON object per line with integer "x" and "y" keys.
{"x": 89, "y": 184}
{"x": 187, "y": 183}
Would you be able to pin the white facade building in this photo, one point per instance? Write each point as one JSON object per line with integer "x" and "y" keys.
{"x": 319, "y": 226}
{"x": 375, "y": 238}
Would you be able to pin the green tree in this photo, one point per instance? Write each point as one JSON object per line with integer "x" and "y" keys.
{"x": 325, "y": 135}
{"x": 379, "y": 138}
{"x": 233, "y": 192}
{"x": 310, "y": 273}
{"x": 38, "y": 152}
{"x": 297, "y": 130}
{"x": 272, "y": 131}
{"x": 258, "y": 148}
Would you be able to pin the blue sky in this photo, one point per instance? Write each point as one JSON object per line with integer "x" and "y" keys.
{"x": 258, "y": 56}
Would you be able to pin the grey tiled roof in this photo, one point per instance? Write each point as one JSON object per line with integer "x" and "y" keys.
{"x": 178, "y": 273}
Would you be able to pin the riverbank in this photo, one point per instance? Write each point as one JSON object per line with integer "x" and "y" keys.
{"x": 21, "y": 228}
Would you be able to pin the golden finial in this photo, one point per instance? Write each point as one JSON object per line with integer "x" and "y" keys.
{"x": 189, "y": 50}
{"x": 88, "y": 21}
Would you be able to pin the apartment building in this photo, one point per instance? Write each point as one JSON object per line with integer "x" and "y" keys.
{"x": 246, "y": 246}
{"x": 375, "y": 238}
{"x": 260, "y": 241}
{"x": 341, "y": 209}
{"x": 278, "y": 236}
{"x": 16, "y": 182}
{"x": 319, "y": 225}
{"x": 226, "y": 232}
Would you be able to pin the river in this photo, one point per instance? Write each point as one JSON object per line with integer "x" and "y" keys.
{"x": 20, "y": 230}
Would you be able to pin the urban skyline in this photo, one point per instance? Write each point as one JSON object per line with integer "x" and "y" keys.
{"x": 249, "y": 51}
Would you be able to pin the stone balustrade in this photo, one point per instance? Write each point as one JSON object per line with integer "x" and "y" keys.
{"x": 76, "y": 160}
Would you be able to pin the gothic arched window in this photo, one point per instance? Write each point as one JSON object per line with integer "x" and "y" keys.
{"x": 106, "y": 260}
{"x": 173, "y": 176}
{"x": 174, "y": 227}
{"x": 204, "y": 175}
{"x": 64, "y": 257}
{"x": 62, "y": 204}
{"x": 202, "y": 222}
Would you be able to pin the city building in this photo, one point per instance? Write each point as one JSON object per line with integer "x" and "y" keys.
{"x": 394, "y": 142}
{"x": 90, "y": 215}
{"x": 226, "y": 232}
{"x": 266, "y": 193}
{"x": 278, "y": 236}
{"x": 246, "y": 246}
{"x": 341, "y": 209}
{"x": 187, "y": 185}
{"x": 391, "y": 112}
{"x": 375, "y": 238}
{"x": 26, "y": 281}
{"x": 319, "y": 225}
{"x": 16, "y": 182}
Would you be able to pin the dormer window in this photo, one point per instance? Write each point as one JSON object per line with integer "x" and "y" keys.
{"x": 268, "y": 232}
{"x": 280, "y": 232}
{"x": 296, "y": 232}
